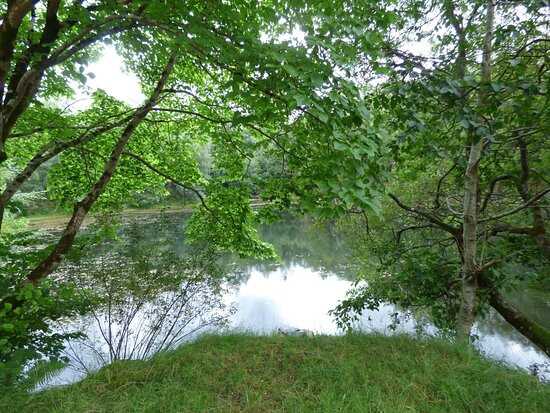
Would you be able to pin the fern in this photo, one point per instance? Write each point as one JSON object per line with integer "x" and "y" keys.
{"x": 14, "y": 379}
{"x": 40, "y": 374}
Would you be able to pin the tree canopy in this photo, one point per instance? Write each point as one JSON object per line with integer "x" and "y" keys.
{"x": 465, "y": 216}
{"x": 445, "y": 150}
{"x": 227, "y": 74}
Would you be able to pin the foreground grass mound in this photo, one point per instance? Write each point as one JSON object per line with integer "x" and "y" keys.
{"x": 356, "y": 373}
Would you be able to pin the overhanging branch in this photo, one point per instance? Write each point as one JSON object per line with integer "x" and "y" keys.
{"x": 170, "y": 178}
{"x": 446, "y": 227}
{"x": 513, "y": 211}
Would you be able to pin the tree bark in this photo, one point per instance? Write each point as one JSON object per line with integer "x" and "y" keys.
{"x": 2, "y": 212}
{"x": 49, "y": 34}
{"x": 15, "y": 13}
{"x": 470, "y": 268}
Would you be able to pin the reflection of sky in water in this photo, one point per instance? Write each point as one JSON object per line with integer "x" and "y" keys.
{"x": 299, "y": 298}
{"x": 309, "y": 282}
{"x": 514, "y": 350}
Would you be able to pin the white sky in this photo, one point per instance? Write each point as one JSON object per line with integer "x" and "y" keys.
{"x": 112, "y": 76}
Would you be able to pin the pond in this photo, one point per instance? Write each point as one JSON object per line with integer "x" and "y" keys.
{"x": 267, "y": 297}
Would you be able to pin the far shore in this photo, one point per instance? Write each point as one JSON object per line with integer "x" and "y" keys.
{"x": 59, "y": 219}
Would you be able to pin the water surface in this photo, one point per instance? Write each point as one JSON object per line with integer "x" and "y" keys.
{"x": 297, "y": 293}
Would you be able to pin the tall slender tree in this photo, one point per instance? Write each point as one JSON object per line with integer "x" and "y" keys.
{"x": 466, "y": 119}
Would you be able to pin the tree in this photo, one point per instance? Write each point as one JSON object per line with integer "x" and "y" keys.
{"x": 470, "y": 125}
{"x": 222, "y": 73}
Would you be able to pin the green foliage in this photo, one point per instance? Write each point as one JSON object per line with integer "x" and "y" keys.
{"x": 275, "y": 91}
{"x": 280, "y": 119}
{"x": 246, "y": 87}
{"x": 13, "y": 378}
{"x": 433, "y": 110}
{"x": 403, "y": 269}
{"x": 227, "y": 222}
{"x": 26, "y": 330}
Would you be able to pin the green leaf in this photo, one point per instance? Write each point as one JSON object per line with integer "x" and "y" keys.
{"x": 464, "y": 123}
{"x": 8, "y": 327}
{"x": 340, "y": 146}
{"x": 291, "y": 70}
{"x": 317, "y": 80}
{"x": 302, "y": 100}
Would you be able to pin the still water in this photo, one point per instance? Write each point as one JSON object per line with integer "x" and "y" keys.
{"x": 297, "y": 293}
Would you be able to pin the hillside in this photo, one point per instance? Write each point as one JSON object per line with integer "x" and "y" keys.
{"x": 356, "y": 373}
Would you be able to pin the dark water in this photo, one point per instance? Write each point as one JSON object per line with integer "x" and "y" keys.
{"x": 297, "y": 293}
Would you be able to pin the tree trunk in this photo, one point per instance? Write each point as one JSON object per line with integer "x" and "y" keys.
{"x": 2, "y": 211}
{"x": 15, "y": 13}
{"x": 536, "y": 333}
{"x": 470, "y": 269}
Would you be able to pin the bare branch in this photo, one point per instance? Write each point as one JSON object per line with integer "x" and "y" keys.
{"x": 190, "y": 112}
{"x": 400, "y": 232}
{"x": 434, "y": 220}
{"x": 492, "y": 186}
{"x": 498, "y": 261}
{"x": 512, "y": 230}
{"x": 195, "y": 97}
{"x": 513, "y": 211}
{"x": 170, "y": 178}
{"x": 437, "y": 204}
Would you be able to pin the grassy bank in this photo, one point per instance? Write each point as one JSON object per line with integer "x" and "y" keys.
{"x": 300, "y": 374}
{"x": 55, "y": 218}
{"x": 59, "y": 218}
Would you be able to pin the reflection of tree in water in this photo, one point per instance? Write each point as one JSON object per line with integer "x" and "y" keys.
{"x": 530, "y": 303}
{"x": 298, "y": 242}
{"x": 493, "y": 325}
{"x": 525, "y": 299}
{"x": 501, "y": 341}
{"x": 158, "y": 242}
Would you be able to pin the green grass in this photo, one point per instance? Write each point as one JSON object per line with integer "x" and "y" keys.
{"x": 356, "y": 373}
